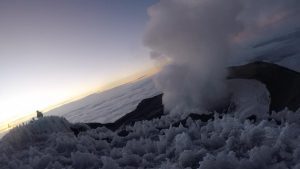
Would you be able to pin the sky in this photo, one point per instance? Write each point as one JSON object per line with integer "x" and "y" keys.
{"x": 53, "y": 50}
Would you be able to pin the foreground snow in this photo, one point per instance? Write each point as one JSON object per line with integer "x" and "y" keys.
{"x": 229, "y": 141}
{"x": 226, "y": 142}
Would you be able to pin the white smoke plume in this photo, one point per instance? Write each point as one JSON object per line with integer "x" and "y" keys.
{"x": 195, "y": 35}
{"x": 201, "y": 37}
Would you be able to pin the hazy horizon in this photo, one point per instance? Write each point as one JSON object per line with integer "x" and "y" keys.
{"x": 106, "y": 87}
{"x": 51, "y": 51}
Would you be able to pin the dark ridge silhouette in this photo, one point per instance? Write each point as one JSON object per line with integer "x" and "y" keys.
{"x": 147, "y": 109}
{"x": 282, "y": 83}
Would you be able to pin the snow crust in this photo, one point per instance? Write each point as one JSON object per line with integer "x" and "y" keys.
{"x": 225, "y": 142}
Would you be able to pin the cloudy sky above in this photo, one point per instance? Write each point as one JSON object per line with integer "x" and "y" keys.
{"x": 52, "y": 50}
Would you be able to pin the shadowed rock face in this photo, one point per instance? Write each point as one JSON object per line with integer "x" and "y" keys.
{"x": 146, "y": 110}
{"x": 282, "y": 83}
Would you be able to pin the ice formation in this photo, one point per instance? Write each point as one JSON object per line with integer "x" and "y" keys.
{"x": 225, "y": 142}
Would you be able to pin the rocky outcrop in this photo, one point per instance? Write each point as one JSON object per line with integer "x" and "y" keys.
{"x": 282, "y": 83}
{"x": 147, "y": 109}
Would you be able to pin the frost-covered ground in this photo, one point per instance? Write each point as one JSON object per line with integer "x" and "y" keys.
{"x": 109, "y": 105}
{"x": 229, "y": 141}
{"x": 226, "y": 142}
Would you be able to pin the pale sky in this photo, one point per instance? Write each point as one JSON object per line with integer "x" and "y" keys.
{"x": 52, "y": 50}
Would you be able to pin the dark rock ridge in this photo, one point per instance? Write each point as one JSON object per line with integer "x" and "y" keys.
{"x": 147, "y": 109}
{"x": 282, "y": 83}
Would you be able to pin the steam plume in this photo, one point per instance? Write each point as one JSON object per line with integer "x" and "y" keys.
{"x": 200, "y": 37}
{"x": 195, "y": 35}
